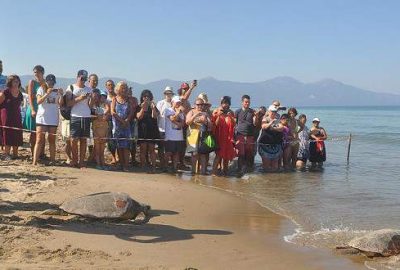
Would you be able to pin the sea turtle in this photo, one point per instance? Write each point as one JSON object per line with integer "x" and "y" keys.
{"x": 385, "y": 242}
{"x": 104, "y": 205}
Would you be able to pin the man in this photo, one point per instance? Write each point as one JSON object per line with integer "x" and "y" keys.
{"x": 174, "y": 140}
{"x": 246, "y": 119}
{"x": 3, "y": 79}
{"x": 162, "y": 105}
{"x": 93, "y": 82}
{"x": 111, "y": 144}
{"x": 80, "y": 102}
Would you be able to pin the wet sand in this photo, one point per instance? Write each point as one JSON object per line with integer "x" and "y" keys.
{"x": 193, "y": 227}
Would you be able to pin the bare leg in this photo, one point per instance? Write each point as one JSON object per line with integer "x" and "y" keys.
{"x": 203, "y": 164}
{"x": 195, "y": 158}
{"x": 52, "y": 143}
{"x": 287, "y": 151}
{"x": 153, "y": 156}
{"x": 216, "y": 163}
{"x": 82, "y": 151}
{"x": 38, "y": 146}
{"x": 32, "y": 141}
{"x": 143, "y": 154}
{"x": 74, "y": 151}
{"x": 15, "y": 151}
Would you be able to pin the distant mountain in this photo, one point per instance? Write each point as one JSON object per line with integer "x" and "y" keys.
{"x": 289, "y": 91}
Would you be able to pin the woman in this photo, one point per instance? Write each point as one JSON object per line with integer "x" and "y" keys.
{"x": 198, "y": 121}
{"x": 30, "y": 116}
{"x": 287, "y": 140}
{"x": 223, "y": 119}
{"x": 317, "y": 146}
{"x": 147, "y": 129}
{"x": 48, "y": 100}
{"x": 304, "y": 144}
{"x": 270, "y": 140}
{"x": 134, "y": 129}
{"x": 293, "y": 147}
{"x": 122, "y": 112}
{"x": 101, "y": 116}
{"x": 10, "y": 116}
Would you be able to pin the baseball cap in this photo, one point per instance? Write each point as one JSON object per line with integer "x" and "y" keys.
{"x": 316, "y": 119}
{"x": 184, "y": 86}
{"x": 168, "y": 90}
{"x": 51, "y": 78}
{"x": 176, "y": 99}
{"x": 82, "y": 73}
{"x": 272, "y": 108}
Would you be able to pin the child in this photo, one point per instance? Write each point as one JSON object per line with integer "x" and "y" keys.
{"x": 101, "y": 111}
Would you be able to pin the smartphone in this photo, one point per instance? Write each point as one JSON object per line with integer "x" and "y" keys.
{"x": 195, "y": 82}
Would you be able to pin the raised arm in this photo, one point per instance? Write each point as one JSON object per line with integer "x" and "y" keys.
{"x": 187, "y": 94}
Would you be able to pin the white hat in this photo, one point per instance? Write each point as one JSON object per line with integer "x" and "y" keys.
{"x": 168, "y": 89}
{"x": 316, "y": 119}
{"x": 272, "y": 108}
{"x": 176, "y": 99}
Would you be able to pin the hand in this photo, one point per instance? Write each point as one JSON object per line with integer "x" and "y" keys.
{"x": 153, "y": 105}
{"x": 60, "y": 91}
{"x": 49, "y": 90}
{"x": 193, "y": 84}
{"x": 33, "y": 114}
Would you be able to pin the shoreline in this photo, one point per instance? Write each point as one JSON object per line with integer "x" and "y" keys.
{"x": 233, "y": 232}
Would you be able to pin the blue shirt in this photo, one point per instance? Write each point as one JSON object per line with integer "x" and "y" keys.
{"x": 3, "y": 82}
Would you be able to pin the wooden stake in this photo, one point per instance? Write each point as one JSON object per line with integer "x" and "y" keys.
{"x": 348, "y": 150}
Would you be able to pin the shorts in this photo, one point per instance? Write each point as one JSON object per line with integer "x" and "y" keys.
{"x": 245, "y": 145}
{"x": 65, "y": 129}
{"x": 175, "y": 146}
{"x": 46, "y": 128}
{"x": 80, "y": 127}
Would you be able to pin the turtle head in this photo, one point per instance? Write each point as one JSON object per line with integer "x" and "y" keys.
{"x": 145, "y": 209}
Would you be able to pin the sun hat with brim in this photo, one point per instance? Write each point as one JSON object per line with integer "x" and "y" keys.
{"x": 316, "y": 120}
{"x": 168, "y": 90}
{"x": 176, "y": 99}
{"x": 272, "y": 108}
{"x": 204, "y": 97}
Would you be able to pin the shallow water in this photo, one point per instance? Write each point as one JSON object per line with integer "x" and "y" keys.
{"x": 342, "y": 201}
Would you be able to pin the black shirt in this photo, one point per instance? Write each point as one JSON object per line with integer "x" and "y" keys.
{"x": 244, "y": 120}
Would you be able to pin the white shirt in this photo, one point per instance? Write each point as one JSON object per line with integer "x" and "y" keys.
{"x": 172, "y": 132}
{"x": 80, "y": 109}
{"x": 3, "y": 83}
{"x": 162, "y": 105}
{"x": 47, "y": 113}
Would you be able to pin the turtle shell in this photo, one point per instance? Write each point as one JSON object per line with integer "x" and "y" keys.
{"x": 113, "y": 205}
{"x": 384, "y": 242}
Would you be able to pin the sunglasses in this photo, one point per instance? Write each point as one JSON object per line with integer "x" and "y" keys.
{"x": 202, "y": 104}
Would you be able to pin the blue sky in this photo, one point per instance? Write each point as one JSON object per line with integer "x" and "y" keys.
{"x": 356, "y": 42}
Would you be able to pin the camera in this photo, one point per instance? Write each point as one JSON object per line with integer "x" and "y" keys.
{"x": 282, "y": 108}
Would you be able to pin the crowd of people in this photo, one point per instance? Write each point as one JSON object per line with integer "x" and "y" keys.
{"x": 163, "y": 132}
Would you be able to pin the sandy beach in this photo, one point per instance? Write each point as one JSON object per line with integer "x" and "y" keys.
{"x": 193, "y": 227}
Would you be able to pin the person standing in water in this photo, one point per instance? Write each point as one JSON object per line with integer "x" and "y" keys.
{"x": 317, "y": 145}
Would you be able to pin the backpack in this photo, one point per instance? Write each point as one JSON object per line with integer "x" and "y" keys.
{"x": 207, "y": 143}
{"x": 65, "y": 110}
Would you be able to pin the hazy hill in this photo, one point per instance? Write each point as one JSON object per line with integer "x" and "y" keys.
{"x": 290, "y": 91}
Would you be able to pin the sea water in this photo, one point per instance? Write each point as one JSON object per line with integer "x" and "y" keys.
{"x": 343, "y": 200}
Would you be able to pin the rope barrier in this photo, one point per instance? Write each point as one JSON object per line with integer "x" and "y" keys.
{"x": 333, "y": 139}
